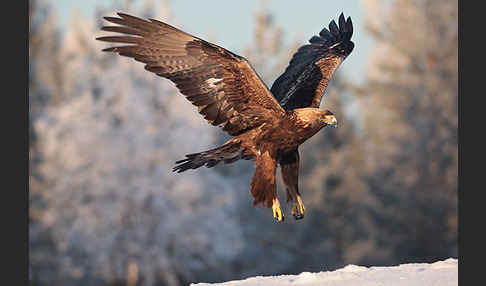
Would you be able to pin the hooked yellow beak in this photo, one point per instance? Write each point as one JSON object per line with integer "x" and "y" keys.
{"x": 331, "y": 120}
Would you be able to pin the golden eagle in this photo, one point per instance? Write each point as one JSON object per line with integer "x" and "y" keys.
{"x": 268, "y": 125}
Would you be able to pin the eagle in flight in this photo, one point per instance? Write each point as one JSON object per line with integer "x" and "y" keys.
{"x": 267, "y": 125}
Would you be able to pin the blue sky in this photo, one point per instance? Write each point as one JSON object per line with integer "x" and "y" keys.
{"x": 299, "y": 20}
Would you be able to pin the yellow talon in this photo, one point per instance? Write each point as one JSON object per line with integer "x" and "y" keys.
{"x": 301, "y": 204}
{"x": 298, "y": 208}
{"x": 277, "y": 211}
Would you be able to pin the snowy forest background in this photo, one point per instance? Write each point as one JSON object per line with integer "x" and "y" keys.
{"x": 105, "y": 208}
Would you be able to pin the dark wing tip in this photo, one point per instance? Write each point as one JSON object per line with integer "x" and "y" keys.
{"x": 119, "y": 39}
{"x": 335, "y": 33}
{"x": 127, "y": 20}
{"x": 126, "y": 16}
{"x": 324, "y": 33}
{"x": 110, "y": 49}
{"x": 317, "y": 39}
{"x": 342, "y": 24}
{"x": 333, "y": 28}
{"x": 349, "y": 27}
{"x": 111, "y": 19}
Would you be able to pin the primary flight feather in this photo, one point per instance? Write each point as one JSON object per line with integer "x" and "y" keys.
{"x": 305, "y": 79}
{"x": 267, "y": 125}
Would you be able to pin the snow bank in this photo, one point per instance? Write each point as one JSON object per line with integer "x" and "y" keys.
{"x": 441, "y": 273}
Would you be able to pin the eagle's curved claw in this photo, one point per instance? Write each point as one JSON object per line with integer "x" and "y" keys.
{"x": 298, "y": 209}
{"x": 298, "y": 216}
{"x": 277, "y": 211}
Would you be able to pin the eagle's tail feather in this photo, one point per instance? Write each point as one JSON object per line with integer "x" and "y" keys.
{"x": 228, "y": 153}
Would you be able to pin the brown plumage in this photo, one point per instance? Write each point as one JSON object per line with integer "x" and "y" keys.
{"x": 228, "y": 94}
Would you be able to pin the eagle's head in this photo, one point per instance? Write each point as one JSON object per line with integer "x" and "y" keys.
{"x": 315, "y": 118}
{"x": 328, "y": 118}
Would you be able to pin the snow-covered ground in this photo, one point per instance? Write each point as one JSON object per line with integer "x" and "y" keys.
{"x": 441, "y": 273}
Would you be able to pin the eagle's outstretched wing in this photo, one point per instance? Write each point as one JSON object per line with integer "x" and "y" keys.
{"x": 223, "y": 85}
{"x": 312, "y": 66}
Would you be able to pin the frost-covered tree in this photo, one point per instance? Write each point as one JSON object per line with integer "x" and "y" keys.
{"x": 105, "y": 207}
{"x": 109, "y": 208}
{"x": 410, "y": 114}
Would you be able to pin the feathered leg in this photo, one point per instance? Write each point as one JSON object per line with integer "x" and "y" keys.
{"x": 263, "y": 186}
{"x": 289, "y": 164}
